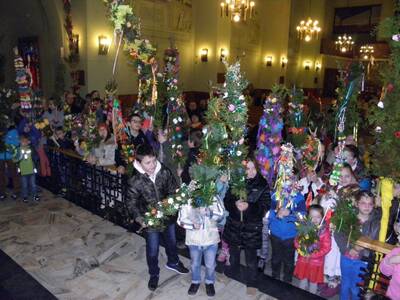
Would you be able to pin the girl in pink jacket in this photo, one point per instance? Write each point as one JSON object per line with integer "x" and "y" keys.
{"x": 390, "y": 266}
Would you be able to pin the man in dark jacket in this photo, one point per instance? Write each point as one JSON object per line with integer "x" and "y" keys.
{"x": 151, "y": 183}
{"x": 243, "y": 229}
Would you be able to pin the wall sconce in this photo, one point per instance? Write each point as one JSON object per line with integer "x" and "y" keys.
{"x": 307, "y": 65}
{"x": 104, "y": 45}
{"x": 223, "y": 54}
{"x": 75, "y": 44}
{"x": 317, "y": 66}
{"x": 204, "y": 54}
{"x": 268, "y": 61}
{"x": 284, "y": 61}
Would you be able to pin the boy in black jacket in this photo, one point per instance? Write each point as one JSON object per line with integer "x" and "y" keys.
{"x": 150, "y": 184}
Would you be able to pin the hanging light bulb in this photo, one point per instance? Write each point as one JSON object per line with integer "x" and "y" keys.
{"x": 236, "y": 17}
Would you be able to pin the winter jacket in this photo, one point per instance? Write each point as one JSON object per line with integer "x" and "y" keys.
{"x": 312, "y": 267}
{"x": 285, "y": 228}
{"x": 144, "y": 191}
{"x": 370, "y": 229}
{"x": 105, "y": 153}
{"x": 247, "y": 233}
{"x": 11, "y": 139}
{"x": 140, "y": 139}
{"x": 393, "y": 292}
{"x": 207, "y": 218}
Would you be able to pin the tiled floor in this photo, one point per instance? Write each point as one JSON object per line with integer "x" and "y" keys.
{"x": 77, "y": 255}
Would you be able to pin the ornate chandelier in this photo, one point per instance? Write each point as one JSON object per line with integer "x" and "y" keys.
{"x": 308, "y": 30}
{"x": 237, "y": 10}
{"x": 367, "y": 51}
{"x": 344, "y": 43}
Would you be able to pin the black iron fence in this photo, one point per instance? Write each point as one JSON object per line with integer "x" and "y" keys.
{"x": 97, "y": 189}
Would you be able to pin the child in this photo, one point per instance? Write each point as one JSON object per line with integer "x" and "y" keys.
{"x": 310, "y": 269}
{"x": 282, "y": 233}
{"x": 27, "y": 169}
{"x": 350, "y": 260}
{"x": 310, "y": 185}
{"x": 151, "y": 183}
{"x": 194, "y": 143}
{"x": 60, "y": 141}
{"x": 202, "y": 238}
{"x": 11, "y": 142}
{"x": 390, "y": 266}
{"x": 347, "y": 185}
{"x": 196, "y": 123}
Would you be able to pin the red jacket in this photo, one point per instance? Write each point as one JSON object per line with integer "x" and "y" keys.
{"x": 312, "y": 267}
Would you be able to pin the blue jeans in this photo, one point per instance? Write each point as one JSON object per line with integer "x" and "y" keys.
{"x": 152, "y": 248}
{"x": 209, "y": 253}
{"x": 28, "y": 183}
{"x": 351, "y": 269}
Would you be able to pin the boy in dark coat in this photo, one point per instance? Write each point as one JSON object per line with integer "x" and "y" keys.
{"x": 151, "y": 183}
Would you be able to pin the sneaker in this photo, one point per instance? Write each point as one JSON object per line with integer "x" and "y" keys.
{"x": 210, "y": 291}
{"x": 36, "y": 198}
{"x": 2, "y": 197}
{"x": 14, "y": 196}
{"x": 178, "y": 268}
{"x": 251, "y": 291}
{"x": 194, "y": 287}
{"x": 25, "y": 200}
{"x": 153, "y": 283}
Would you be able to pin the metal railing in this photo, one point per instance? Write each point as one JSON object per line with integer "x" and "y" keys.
{"x": 374, "y": 284}
{"x": 100, "y": 190}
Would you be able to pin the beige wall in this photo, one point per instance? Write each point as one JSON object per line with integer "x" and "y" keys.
{"x": 271, "y": 33}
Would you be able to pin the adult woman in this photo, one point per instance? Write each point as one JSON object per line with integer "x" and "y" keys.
{"x": 244, "y": 225}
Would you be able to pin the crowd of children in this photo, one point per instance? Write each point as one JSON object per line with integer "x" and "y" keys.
{"x": 257, "y": 225}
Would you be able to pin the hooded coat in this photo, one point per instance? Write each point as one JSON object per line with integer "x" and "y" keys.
{"x": 11, "y": 139}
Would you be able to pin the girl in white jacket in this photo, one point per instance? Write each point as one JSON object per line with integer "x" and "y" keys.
{"x": 202, "y": 238}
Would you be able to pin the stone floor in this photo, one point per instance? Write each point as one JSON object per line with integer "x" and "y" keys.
{"x": 77, "y": 255}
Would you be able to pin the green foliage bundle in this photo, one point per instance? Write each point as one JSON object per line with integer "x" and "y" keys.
{"x": 345, "y": 219}
{"x": 295, "y": 119}
{"x": 307, "y": 236}
{"x": 385, "y": 117}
